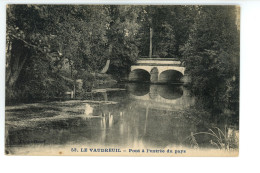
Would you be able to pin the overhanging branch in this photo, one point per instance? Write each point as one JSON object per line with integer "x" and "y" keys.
{"x": 29, "y": 44}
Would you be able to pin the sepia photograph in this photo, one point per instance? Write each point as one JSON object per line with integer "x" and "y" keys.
{"x": 122, "y": 80}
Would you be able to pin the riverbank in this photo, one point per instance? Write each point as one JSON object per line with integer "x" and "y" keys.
{"x": 63, "y": 91}
{"x": 152, "y": 117}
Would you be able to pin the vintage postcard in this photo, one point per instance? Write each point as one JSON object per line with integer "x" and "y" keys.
{"x": 122, "y": 80}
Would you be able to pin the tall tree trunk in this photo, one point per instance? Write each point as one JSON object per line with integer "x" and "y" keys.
{"x": 15, "y": 60}
{"x": 151, "y": 43}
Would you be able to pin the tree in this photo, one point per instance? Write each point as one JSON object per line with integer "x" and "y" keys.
{"x": 122, "y": 38}
{"x": 170, "y": 25}
{"x": 43, "y": 39}
{"x": 211, "y": 54}
{"x": 25, "y": 39}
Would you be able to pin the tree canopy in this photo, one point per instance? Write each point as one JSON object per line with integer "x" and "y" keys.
{"x": 49, "y": 46}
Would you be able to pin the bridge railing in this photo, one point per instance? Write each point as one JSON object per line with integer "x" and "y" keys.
{"x": 159, "y": 59}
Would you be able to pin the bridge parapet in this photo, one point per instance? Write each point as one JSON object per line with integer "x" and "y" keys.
{"x": 156, "y": 62}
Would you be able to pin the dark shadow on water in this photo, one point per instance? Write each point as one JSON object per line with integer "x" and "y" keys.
{"x": 169, "y": 92}
{"x": 138, "y": 89}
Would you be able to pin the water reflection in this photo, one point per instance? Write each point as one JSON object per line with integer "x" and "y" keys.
{"x": 138, "y": 89}
{"x": 170, "y": 92}
{"x": 164, "y": 97}
{"x": 143, "y": 116}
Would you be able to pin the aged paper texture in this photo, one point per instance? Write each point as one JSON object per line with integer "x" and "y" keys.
{"x": 122, "y": 80}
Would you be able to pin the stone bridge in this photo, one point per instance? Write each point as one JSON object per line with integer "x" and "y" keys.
{"x": 157, "y": 70}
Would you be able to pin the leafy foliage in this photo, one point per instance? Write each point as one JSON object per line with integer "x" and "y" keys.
{"x": 50, "y": 46}
{"x": 211, "y": 54}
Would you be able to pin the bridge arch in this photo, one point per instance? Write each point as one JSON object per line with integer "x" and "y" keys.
{"x": 170, "y": 76}
{"x": 139, "y": 75}
{"x": 160, "y": 70}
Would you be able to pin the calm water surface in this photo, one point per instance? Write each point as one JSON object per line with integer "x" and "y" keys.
{"x": 131, "y": 115}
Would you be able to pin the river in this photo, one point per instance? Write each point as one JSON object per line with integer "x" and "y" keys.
{"x": 127, "y": 116}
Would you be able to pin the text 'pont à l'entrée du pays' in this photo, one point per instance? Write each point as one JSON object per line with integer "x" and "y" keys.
{"x": 118, "y": 150}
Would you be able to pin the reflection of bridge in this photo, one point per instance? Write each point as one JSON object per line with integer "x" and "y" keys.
{"x": 157, "y": 70}
{"x": 162, "y": 97}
